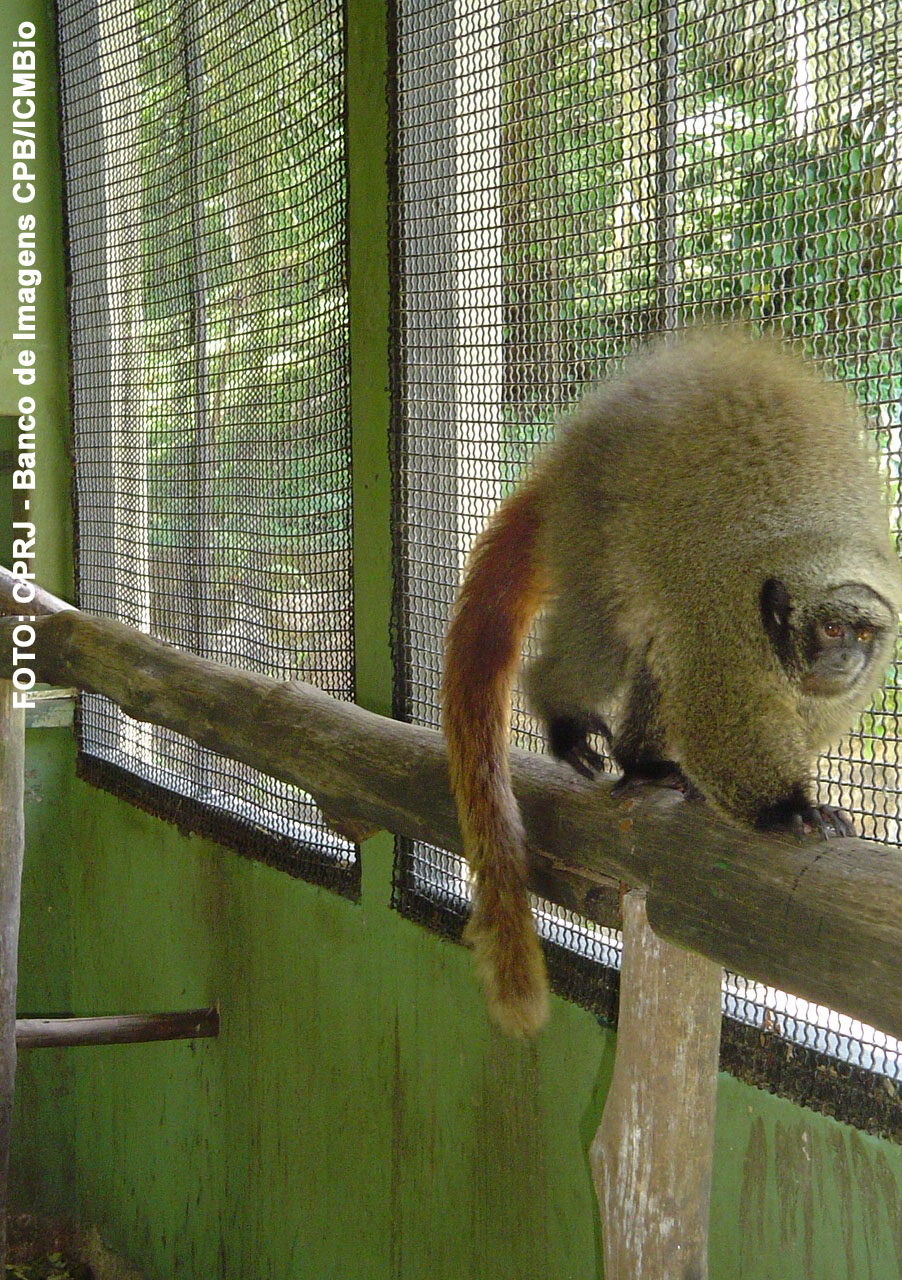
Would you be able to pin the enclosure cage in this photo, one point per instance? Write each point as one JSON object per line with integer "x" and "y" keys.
{"x": 565, "y": 183}
{"x": 205, "y": 197}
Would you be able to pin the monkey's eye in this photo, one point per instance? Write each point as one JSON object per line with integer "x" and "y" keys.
{"x": 833, "y": 630}
{"x": 864, "y": 635}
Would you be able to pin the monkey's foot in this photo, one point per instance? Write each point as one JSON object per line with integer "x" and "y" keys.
{"x": 658, "y": 773}
{"x": 568, "y": 737}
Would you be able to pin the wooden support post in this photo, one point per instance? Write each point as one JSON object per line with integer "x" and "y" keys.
{"x": 651, "y": 1158}
{"x": 12, "y": 844}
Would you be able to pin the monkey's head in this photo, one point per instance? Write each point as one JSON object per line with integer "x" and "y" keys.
{"x": 833, "y": 645}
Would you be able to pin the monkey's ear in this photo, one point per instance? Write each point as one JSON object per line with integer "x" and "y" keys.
{"x": 775, "y": 610}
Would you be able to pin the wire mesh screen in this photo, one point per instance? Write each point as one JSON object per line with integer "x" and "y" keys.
{"x": 567, "y": 185}
{"x": 205, "y": 190}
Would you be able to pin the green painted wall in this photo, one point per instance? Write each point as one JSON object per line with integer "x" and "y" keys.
{"x": 50, "y": 499}
{"x": 356, "y": 1118}
{"x": 44, "y": 1158}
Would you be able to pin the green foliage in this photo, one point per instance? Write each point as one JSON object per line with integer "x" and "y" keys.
{"x": 780, "y": 179}
{"x": 243, "y": 308}
{"x": 778, "y": 183}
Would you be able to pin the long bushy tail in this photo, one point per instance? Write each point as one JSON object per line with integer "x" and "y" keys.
{"x": 503, "y": 588}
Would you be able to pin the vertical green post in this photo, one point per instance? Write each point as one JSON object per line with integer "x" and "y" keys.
{"x": 12, "y": 848}
{"x": 368, "y": 272}
{"x": 49, "y": 508}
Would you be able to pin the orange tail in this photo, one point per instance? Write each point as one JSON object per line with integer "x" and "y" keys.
{"x": 503, "y": 588}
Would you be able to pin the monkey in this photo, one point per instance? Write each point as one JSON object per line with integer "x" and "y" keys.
{"x": 707, "y": 544}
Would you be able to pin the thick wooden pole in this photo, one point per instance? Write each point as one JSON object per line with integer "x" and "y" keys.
{"x": 12, "y": 844}
{"x": 651, "y": 1158}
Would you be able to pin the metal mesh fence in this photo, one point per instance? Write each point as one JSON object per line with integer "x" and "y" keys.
{"x": 205, "y": 195}
{"x": 567, "y": 183}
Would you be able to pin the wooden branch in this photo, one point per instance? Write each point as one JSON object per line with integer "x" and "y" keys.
{"x": 125, "y": 1028}
{"x": 822, "y": 919}
{"x": 652, "y": 1156}
{"x": 12, "y": 844}
{"x": 43, "y": 602}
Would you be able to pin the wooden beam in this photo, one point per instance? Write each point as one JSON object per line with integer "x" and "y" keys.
{"x": 42, "y": 602}
{"x": 651, "y": 1159}
{"x": 822, "y": 919}
{"x": 121, "y": 1028}
{"x": 12, "y": 845}
{"x": 51, "y": 708}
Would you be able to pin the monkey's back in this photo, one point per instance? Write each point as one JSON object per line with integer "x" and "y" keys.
{"x": 705, "y": 450}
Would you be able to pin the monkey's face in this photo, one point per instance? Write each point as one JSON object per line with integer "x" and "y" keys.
{"x": 832, "y": 644}
{"x": 837, "y": 652}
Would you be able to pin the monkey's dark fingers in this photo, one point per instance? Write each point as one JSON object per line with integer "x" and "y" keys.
{"x": 829, "y": 820}
{"x": 826, "y": 820}
{"x": 596, "y": 724}
{"x": 568, "y": 738}
{"x": 584, "y": 760}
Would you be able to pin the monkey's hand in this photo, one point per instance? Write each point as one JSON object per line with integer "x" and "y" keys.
{"x": 829, "y": 821}
{"x": 568, "y": 737}
{"x": 799, "y": 816}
